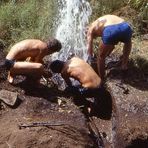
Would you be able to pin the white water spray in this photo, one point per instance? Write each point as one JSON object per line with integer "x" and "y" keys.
{"x": 71, "y": 31}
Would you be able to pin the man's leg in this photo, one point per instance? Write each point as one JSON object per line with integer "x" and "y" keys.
{"x": 34, "y": 70}
{"x": 10, "y": 77}
{"x": 126, "y": 51}
{"x": 104, "y": 51}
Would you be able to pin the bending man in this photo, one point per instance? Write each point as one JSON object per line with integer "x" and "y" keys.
{"x": 26, "y": 57}
{"x": 79, "y": 70}
{"x": 112, "y": 29}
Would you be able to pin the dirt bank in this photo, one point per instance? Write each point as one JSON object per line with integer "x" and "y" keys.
{"x": 46, "y": 117}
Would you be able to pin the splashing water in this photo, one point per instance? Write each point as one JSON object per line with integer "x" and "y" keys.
{"x": 73, "y": 20}
{"x": 71, "y": 31}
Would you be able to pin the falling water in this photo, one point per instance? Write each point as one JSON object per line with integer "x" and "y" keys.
{"x": 71, "y": 23}
{"x": 71, "y": 31}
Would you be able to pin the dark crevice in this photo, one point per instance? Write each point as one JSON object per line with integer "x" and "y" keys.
{"x": 101, "y": 107}
{"x": 138, "y": 143}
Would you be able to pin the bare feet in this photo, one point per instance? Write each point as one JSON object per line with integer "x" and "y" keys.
{"x": 10, "y": 78}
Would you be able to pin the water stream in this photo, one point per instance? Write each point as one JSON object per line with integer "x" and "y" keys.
{"x": 71, "y": 28}
{"x": 71, "y": 22}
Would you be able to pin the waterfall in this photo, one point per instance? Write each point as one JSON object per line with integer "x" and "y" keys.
{"x": 71, "y": 28}
{"x": 71, "y": 23}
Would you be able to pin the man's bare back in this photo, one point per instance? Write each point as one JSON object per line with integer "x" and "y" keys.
{"x": 106, "y": 20}
{"x": 27, "y": 48}
{"x": 83, "y": 72}
{"x": 33, "y": 48}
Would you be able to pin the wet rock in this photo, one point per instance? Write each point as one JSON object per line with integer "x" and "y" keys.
{"x": 131, "y": 110}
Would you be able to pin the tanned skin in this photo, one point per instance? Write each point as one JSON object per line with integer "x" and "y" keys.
{"x": 28, "y": 55}
{"x": 80, "y": 70}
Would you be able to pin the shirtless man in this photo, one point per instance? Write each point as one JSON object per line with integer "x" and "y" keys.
{"x": 79, "y": 70}
{"x": 112, "y": 29}
{"x": 26, "y": 57}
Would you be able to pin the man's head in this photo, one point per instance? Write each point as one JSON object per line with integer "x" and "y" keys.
{"x": 57, "y": 66}
{"x": 54, "y": 45}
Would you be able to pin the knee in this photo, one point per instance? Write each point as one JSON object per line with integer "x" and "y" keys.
{"x": 39, "y": 66}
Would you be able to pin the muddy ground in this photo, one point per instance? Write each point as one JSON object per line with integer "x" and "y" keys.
{"x": 57, "y": 120}
{"x": 44, "y": 117}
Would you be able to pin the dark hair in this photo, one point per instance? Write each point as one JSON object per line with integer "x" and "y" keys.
{"x": 6, "y": 64}
{"x": 54, "y": 44}
{"x": 57, "y": 66}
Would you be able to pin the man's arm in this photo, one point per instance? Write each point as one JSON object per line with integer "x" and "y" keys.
{"x": 93, "y": 32}
{"x": 90, "y": 42}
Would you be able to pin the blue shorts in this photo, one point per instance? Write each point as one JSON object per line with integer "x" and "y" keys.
{"x": 9, "y": 64}
{"x": 117, "y": 33}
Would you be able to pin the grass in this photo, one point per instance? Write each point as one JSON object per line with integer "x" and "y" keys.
{"x": 26, "y": 19}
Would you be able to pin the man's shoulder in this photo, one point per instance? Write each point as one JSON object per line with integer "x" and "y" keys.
{"x": 29, "y": 41}
{"x": 28, "y": 44}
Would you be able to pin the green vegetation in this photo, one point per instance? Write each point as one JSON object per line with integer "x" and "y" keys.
{"x": 101, "y": 7}
{"x": 135, "y": 10}
{"x": 21, "y": 19}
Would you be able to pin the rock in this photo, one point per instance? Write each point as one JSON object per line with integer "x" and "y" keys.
{"x": 8, "y": 97}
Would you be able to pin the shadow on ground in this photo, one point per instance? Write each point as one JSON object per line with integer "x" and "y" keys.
{"x": 138, "y": 143}
{"x": 136, "y": 75}
{"x": 40, "y": 91}
{"x": 100, "y": 106}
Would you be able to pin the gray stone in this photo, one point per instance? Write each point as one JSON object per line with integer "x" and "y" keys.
{"x": 8, "y": 97}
